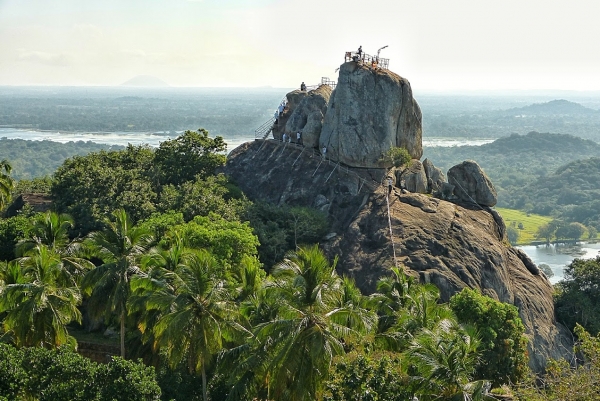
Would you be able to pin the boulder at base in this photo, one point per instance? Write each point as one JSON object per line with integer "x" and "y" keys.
{"x": 307, "y": 116}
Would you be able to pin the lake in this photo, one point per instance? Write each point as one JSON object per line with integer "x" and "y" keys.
{"x": 559, "y": 256}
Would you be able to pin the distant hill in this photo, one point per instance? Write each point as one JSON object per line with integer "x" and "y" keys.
{"x": 517, "y": 162}
{"x": 554, "y": 107}
{"x": 145, "y": 81}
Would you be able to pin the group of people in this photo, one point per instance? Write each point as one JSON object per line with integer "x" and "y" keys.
{"x": 280, "y": 110}
{"x": 288, "y": 138}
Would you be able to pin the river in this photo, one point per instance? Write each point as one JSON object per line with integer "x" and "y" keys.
{"x": 560, "y": 256}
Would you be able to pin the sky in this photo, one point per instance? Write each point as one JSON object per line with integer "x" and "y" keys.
{"x": 438, "y": 45}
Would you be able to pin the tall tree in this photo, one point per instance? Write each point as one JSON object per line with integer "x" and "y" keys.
{"x": 6, "y": 183}
{"x": 196, "y": 312}
{"x": 445, "y": 359}
{"x": 40, "y": 301}
{"x": 120, "y": 247}
{"x": 191, "y": 154}
{"x": 294, "y": 351}
{"x": 52, "y": 230}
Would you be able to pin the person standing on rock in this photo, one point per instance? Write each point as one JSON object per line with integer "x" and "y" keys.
{"x": 359, "y": 52}
{"x": 324, "y": 151}
{"x": 303, "y": 87}
{"x": 299, "y": 137}
{"x": 276, "y": 115}
{"x": 390, "y": 185}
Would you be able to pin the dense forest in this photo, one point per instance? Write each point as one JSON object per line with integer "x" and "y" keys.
{"x": 36, "y": 159}
{"x": 226, "y": 299}
{"x": 548, "y": 174}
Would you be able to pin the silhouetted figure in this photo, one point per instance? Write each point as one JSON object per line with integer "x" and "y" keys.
{"x": 359, "y": 52}
{"x": 302, "y": 87}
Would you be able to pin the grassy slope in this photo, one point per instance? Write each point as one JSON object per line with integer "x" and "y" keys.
{"x": 530, "y": 222}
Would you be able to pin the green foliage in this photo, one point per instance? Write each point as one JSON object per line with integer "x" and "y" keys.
{"x": 36, "y": 159}
{"x": 91, "y": 187}
{"x": 368, "y": 377}
{"x": 40, "y": 301}
{"x": 160, "y": 223}
{"x": 444, "y": 361}
{"x": 570, "y": 231}
{"x": 6, "y": 183}
{"x": 228, "y": 241}
{"x": 120, "y": 247}
{"x": 127, "y": 380}
{"x": 513, "y": 235}
{"x": 13, "y": 230}
{"x": 282, "y": 228}
{"x": 396, "y": 156}
{"x": 563, "y": 382}
{"x": 201, "y": 196}
{"x": 12, "y": 375}
{"x": 503, "y": 345}
{"x": 63, "y": 375}
{"x": 577, "y": 297}
{"x": 40, "y": 185}
{"x": 189, "y": 155}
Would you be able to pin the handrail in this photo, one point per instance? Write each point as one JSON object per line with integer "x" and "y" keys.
{"x": 368, "y": 60}
{"x": 263, "y": 131}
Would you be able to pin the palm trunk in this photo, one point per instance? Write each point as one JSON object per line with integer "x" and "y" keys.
{"x": 122, "y": 335}
{"x": 204, "y": 393}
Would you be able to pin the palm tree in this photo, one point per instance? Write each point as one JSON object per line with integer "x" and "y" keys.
{"x": 52, "y": 230}
{"x": 39, "y": 301}
{"x": 6, "y": 183}
{"x": 404, "y": 308}
{"x": 293, "y": 352}
{"x": 196, "y": 312}
{"x": 445, "y": 360}
{"x": 120, "y": 247}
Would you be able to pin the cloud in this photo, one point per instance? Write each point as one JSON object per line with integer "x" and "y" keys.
{"x": 39, "y": 57}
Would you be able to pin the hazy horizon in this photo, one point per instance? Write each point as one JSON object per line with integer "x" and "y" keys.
{"x": 462, "y": 45}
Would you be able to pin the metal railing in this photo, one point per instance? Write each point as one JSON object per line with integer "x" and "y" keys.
{"x": 263, "y": 131}
{"x": 368, "y": 60}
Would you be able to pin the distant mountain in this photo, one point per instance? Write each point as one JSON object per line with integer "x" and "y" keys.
{"x": 553, "y": 107}
{"x": 147, "y": 81}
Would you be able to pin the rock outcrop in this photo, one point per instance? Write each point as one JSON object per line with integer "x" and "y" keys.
{"x": 307, "y": 116}
{"x": 413, "y": 177}
{"x": 370, "y": 111}
{"x": 472, "y": 184}
{"x": 435, "y": 177}
{"x": 451, "y": 245}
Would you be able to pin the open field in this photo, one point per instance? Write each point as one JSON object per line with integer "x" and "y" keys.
{"x": 530, "y": 222}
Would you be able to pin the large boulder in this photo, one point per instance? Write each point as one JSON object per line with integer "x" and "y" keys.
{"x": 471, "y": 184}
{"x": 414, "y": 177}
{"x": 450, "y": 245}
{"x": 435, "y": 177}
{"x": 370, "y": 111}
{"x": 307, "y": 115}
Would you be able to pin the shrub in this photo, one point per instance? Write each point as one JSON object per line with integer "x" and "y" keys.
{"x": 503, "y": 345}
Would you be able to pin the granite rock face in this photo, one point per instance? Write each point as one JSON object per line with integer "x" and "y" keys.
{"x": 450, "y": 245}
{"x": 472, "y": 184}
{"x": 370, "y": 111}
{"x": 435, "y": 177}
{"x": 413, "y": 177}
{"x": 307, "y": 115}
